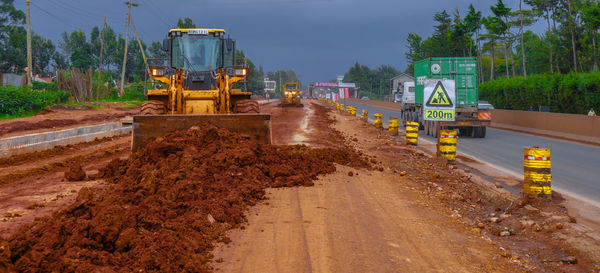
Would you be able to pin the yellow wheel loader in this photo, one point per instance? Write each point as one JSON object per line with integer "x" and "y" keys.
{"x": 291, "y": 96}
{"x": 199, "y": 77}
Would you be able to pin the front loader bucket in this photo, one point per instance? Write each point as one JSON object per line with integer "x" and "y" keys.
{"x": 146, "y": 127}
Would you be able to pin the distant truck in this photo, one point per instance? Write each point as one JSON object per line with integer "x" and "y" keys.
{"x": 470, "y": 119}
{"x": 400, "y": 95}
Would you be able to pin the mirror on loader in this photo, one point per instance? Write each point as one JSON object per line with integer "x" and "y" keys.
{"x": 166, "y": 45}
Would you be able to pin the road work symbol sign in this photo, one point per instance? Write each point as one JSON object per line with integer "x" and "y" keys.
{"x": 439, "y": 97}
{"x": 440, "y": 105}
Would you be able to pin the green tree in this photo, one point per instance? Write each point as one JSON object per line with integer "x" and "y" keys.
{"x": 415, "y": 53}
{"x": 502, "y": 13}
{"x": 156, "y": 50}
{"x": 495, "y": 27}
{"x": 185, "y": 23}
{"x": 43, "y": 52}
{"x": 12, "y": 38}
{"x": 591, "y": 18}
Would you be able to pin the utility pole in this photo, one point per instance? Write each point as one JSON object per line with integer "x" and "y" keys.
{"x": 147, "y": 68}
{"x": 100, "y": 64}
{"x": 29, "y": 65}
{"x": 129, "y": 5}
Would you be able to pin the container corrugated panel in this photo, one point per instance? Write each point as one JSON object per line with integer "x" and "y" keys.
{"x": 461, "y": 69}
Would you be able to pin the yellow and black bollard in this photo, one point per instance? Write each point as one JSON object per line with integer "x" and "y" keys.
{"x": 447, "y": 144}
{"x": 393, "y": 126}
{"x": 342, "y": 107}
{"x": 349, "y": 109}
{"x": 378, "y": 120}
{"x": 412, "y": 133}
{"x": 537, "y": 174}
{"x": 364, "y": 116}
{"x": 354, "y": 109}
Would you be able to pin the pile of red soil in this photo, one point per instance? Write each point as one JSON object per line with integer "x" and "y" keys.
{"x": 75, "y": 173}
{"x": 167, "y": 204}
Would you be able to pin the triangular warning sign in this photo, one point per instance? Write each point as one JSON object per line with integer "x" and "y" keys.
{"x": 439, "y": 97}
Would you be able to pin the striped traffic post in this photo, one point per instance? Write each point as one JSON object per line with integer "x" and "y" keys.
{"x": 536, "y": 174}
{"x": 378, "y": 120}
{"x": 364, "y": 116}
{"x": 393, "y": 126}
{"x": 412, "y": 133}
{"x": 447, "y": 146}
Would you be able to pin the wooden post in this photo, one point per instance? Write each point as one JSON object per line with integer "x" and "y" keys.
{"x": 122, "y": 89}
{"x": 438, "y": 130}
{"x": 100, "y": 64}
{"x": 141, "y": 48}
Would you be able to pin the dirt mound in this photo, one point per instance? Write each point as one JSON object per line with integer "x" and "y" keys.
{"x": 75, "y": 173}
{"x": 167, "y": 204}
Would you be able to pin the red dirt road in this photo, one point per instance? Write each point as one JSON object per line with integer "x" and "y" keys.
{"x": 405, "y": 213}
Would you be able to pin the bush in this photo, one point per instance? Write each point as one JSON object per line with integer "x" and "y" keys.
{"x": 20, "y": 100}
{"x": 572, "y": 93}
{"x": 134, "y": 92}
{"x": 44, "y": 86}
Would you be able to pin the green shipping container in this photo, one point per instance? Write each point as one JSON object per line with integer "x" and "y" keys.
{"x": 463, "y": 70}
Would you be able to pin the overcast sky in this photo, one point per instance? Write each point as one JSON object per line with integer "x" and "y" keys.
{"x": 319, "y": 39}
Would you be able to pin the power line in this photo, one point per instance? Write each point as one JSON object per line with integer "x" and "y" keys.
{"x": 157, "y": 14}
{"x": 53, "y": 16}
{"x": 81, "y": 12}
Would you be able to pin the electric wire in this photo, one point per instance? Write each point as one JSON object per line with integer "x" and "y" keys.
{"x": 157, "y": 14}
{"x": 53, "y": 16}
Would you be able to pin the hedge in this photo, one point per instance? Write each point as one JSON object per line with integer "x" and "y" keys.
{"x": 20, "y": 100}
{"x": 573, "y": 93}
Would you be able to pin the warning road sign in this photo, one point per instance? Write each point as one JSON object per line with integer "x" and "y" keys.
{"x": 439, "y": 97}
{"x": 440, "y": 105}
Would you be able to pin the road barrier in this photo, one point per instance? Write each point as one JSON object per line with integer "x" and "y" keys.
{"x": 536, "y": 173}
{"x": 447, "y": 144}
{"x": 378, "y": 120}
{"x": 353, "y": 111}
{"x": 393, "y": 126}
{"x": 412, "y": 133}
{"x": 568, "y": 126}
{"x": 47, "y": 140}
{"x": 342, "y": 107}
{"x": 364, "y": 116}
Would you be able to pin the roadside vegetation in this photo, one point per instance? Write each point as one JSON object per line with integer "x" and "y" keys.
{"x": 518, "y": 68}
{"x": 574, "y": 93}
{"x": 26, "y": 101}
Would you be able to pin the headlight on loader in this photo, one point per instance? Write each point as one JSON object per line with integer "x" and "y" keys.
{"x": 158, "y": 72}
{"x": 241, "y": 72}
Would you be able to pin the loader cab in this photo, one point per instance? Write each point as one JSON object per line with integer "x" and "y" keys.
{"x": 200, "y": 54}
{"x": 290, "y": 89}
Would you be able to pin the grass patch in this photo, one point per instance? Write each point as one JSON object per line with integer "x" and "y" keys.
{"x": 74, "y": 103}
{"x": 22, "y": 114}
{"x": 131, "y": 104}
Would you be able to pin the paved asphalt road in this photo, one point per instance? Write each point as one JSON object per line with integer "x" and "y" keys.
{"x": 575, "y": 166}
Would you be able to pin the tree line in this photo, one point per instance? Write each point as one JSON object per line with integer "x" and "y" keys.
{"x": 503, "y": 44}
{"x": 373, "y": 83}
{"x": 81, "y": 50}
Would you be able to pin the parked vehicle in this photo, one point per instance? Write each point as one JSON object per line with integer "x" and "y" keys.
{"x": 485, "y": 105}
{"x": 470, "y": 119}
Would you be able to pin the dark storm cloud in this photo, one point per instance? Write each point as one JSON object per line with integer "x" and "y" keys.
{"x": 318, "y": 38}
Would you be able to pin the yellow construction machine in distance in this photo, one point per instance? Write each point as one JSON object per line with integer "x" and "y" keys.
{"x": 291, "y": 95}
{"x": 199, "y": 77}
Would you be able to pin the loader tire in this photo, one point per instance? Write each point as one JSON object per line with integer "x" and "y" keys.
{"x": 153, "y": 107}
{"x": 246, "y": 106}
